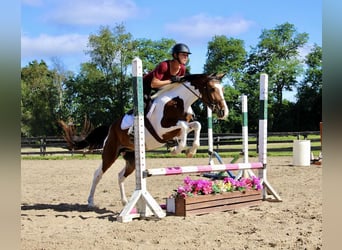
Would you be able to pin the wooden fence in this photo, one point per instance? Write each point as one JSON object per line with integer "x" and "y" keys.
{"x": 222, "y": 142}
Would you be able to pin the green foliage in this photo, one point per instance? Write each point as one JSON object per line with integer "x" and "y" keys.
{"x": 39, "y": 100}
{"x": 277, "y": 54}
{"x": 153, "y": 52}
{"x": 102, "y": 90}
{"x": 225, "y": 55}
{"x": 309, "y": 105}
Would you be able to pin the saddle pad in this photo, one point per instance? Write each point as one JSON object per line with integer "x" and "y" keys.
{"x": 127, "y": 121}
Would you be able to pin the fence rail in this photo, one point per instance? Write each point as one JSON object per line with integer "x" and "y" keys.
{"x": 222, "y": 142}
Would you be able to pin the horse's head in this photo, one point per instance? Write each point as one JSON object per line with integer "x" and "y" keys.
{"x": 211, "y": 92}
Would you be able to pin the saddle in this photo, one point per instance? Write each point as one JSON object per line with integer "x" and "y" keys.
{"x": 148, "y": 101}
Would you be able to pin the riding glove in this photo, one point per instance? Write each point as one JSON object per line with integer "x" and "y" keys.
{"x": 177, "y": 79}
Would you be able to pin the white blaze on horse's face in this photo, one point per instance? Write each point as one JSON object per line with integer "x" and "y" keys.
{"x": 223, "y": 110}
{"x": 215, "y": 98}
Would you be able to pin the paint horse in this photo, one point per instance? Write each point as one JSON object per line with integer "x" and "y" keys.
{"x": 167, "y": 119}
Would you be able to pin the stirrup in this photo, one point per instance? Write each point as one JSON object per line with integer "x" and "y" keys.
{"x": 171, "y": 143}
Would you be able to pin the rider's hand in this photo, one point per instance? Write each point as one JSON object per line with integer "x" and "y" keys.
{"x": 177, "y": 79}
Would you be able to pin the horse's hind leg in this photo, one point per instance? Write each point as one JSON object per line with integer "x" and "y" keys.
{"x": 125, "y": 172}
{"x": 97, "y": 177}
{"x": 109, "y": 155}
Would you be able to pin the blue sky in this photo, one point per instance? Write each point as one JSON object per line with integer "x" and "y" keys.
{"x": 60, "y": 28}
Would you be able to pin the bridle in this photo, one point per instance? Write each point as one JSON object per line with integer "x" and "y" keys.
{"x": 213, "y": 105}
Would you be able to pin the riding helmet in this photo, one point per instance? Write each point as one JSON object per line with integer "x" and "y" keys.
{"x": 180, "y": 48}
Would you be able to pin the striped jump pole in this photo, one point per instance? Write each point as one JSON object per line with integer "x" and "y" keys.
{"x": 210, "y": 135}
{"x": 263, "y": 136}
{"x": 141, "y": 199}
{"x": 244, "y": 105}
{"x": 211, "y": 150}
{"x": 177, "y": 170}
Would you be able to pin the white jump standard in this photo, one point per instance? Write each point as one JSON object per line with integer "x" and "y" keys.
{"x": 146, "y": 204}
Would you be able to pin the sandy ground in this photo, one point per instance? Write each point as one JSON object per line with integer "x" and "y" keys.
{"x": 54, "y": 212}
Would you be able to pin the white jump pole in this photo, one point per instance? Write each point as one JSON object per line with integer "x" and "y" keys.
{"x": 244, "y": 105}
{"x": 141, "y": 198}
{"x": 263, "y": 136}
{"x": 244, "y": 128}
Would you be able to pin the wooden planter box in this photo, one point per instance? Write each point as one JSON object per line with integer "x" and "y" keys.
{"x": 204, "y": 204}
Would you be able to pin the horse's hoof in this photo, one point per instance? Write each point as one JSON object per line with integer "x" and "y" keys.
{"x": 91, "y": 204}
{"x": 173, "y": 151}
{"x": 189, "y": 154}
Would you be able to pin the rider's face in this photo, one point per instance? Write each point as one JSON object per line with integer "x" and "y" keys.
{"x": 183, "y": 57}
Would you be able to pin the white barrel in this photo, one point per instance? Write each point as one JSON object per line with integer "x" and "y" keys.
{"x": 301, "y": 153}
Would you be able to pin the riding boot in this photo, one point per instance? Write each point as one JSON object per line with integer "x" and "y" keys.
{"x": 131, "y": 133}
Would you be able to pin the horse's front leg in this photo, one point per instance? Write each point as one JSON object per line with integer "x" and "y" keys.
{"x": 184, "y": 128}
{"x": 196, "y": 127}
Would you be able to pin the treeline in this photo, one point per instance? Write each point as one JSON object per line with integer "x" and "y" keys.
{"x": 102, "y": 90}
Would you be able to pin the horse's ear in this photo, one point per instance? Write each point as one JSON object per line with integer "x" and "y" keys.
{"x": 220, "y": 76}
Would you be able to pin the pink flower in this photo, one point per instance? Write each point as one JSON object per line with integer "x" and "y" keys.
{"x": 205, "y": 186}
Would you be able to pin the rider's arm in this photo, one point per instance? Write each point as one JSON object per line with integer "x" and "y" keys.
{"x": 156, "y": 83}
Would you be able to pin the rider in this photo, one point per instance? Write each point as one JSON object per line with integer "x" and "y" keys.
{"x": 165, "y": 73}
{"x": 168, "y": 71}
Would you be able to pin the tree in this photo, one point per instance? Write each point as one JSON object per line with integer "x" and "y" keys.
{"x": 112, "y": 51}
{"x": 153, "y": 52}
{"x": 227, "y": 55}
{"x": 309, "y": 105}
{"x": 277, "y": 54}
{"x": 60, "y": 75}
{"x": 89, "y": 94}
{"x": 39, "y": 100}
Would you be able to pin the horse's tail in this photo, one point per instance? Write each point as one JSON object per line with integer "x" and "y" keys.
{"x": 97, "y": 137}
{"x": 91, "y": 138}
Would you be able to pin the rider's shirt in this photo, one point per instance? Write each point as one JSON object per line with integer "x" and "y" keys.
{"x": 161, "y": 72}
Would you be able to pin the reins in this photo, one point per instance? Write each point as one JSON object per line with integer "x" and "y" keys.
{"x": 211, "y": 105}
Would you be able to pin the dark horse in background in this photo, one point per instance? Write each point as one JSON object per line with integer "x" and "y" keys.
{"x": 167, "y": 119}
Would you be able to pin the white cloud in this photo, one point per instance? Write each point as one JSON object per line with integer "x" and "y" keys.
{"x": 204, "y": 26}
{"x": 92, "y": 12}
{"x": 47, "y": 45}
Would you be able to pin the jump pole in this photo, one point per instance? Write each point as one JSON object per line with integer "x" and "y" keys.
{"x": 146, "y": 205}
{"x": 263, "y": 137}
{"x": 210, "y": 136}
{"x": 244, "y": 105}
{"x": 211, "y": 151}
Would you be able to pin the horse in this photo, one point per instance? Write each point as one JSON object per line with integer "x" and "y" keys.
{"x": 168, "y": 118}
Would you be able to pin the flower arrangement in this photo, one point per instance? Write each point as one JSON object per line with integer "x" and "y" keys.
{"x": 205, "y": 186}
